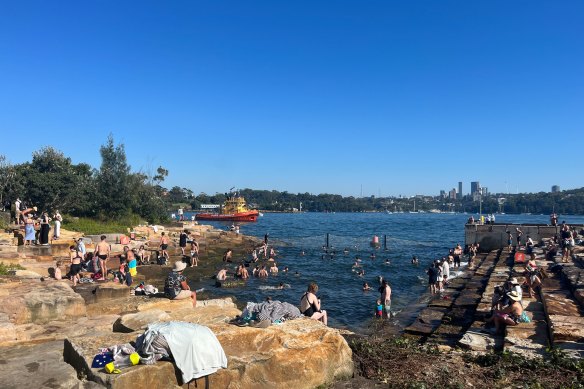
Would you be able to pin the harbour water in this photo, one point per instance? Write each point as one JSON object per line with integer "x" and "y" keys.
{"x": 428, "y": 236}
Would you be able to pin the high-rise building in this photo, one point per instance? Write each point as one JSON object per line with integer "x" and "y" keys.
{"x": 485, "y": 191}
{"x": 443, "y": 194}
{"x": 475, "y": 187}
{"x": 459, "y": 190}
{"x": 555, "y": 188}
{"x": 452, "y": 194}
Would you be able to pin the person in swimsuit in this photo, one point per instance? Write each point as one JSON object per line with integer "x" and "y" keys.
{"x": 75, "y": 264}
{"x": 511, "y": 315}
{"x": 103, "y": 250}
{"x": 164, "y": 245}
{"x": 310, "y": 304}
{"x": 457, "y": 253}
{"x": 227, "y": 255}
{"x": 222, "y": 274}
{"x": 385, "y": 298}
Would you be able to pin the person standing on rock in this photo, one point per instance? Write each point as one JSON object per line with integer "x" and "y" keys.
{"x": 17, "y": 205}
{"x": 519, "y": 234}
{"x": 29, "y": 232}
{"x": 81, "y": 247}
{"x": 58, "y": 219}
{"x": 164, "y": 245}
{"x": 457, "y": 253}
{"x": 45, "y": 228}
{"x": 103, "y": 250}
{"x": 182, "y": 241}
{"x": 176, "y": 286}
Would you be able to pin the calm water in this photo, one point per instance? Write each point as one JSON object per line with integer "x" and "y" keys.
{"x": 428, "y": 236}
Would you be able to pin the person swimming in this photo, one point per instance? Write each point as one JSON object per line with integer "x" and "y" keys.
{"x": 366, "y": 287}
{"x": 387, "y": 262}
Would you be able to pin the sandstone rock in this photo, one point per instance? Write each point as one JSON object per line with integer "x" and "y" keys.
{"x": 24, "y": 274}
{"x": 39, "y": 366}
{"x": 567, "y": 328}
{"x": 11, "y": 334}
{"x": 257, "y": 358}
{"x": 40, "y": 302}
{"x": 139, "y": 321}
{"x": 478, "y": 341}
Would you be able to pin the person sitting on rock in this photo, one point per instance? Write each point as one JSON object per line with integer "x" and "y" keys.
{"x": 176, "y": 286}
{"x": 511, "y": 315}
{"x": 532, "y": 277}
{"x": 310, "y": 304}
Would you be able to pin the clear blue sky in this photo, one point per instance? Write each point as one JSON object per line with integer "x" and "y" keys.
{"x": 402, "y": 97}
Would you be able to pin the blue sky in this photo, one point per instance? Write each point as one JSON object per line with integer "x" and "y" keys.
{"x": 400, "y": 97}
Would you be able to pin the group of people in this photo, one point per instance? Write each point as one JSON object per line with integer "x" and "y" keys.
{"x": 489, "y": 219}
{"x": 439, "y": 270}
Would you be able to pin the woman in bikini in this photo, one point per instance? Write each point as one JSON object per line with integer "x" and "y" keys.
{"x": 310, "y": 304}
{"x": 75, "y": 265}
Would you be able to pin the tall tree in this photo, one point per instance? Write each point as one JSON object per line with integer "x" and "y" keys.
{"x": 113, "y": 180}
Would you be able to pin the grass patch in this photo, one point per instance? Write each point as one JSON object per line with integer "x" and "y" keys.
{"x": 90, "y": 226}
{"x": 4, "y": 268}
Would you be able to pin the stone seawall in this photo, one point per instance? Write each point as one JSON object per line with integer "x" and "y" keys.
{"x": 494, "y": 236}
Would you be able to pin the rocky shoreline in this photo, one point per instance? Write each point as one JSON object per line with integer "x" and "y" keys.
{"x": 50, "y": 331}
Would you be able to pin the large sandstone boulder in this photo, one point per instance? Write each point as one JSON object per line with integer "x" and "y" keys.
{"x": 40, "y": 302}
{"x": 300, "y": 353}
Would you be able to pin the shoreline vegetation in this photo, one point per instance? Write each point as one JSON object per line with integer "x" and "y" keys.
{"x": 51, "y": 181}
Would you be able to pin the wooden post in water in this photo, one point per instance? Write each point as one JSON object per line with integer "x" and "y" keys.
{"x": 385, "y": 242}
{"x": 327, "y": 240}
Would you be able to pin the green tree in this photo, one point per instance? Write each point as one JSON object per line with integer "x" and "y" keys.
{"x": 113, "y": 180}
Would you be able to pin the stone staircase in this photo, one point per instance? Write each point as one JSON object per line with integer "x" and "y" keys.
{"x": 446, "y": 318}
{"x": 563, "y": 301}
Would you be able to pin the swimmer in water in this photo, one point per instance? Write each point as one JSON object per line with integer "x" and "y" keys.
{"x": 356, "y": 264}
{"x": 361, "y": 273}
{"x": 387, "y": 262}
{"x": 281, "y": 286}
{"x": 302, "y": 253}
{"x": 372, "y": 256}
{"x": 285, "y": 269}
{"x": 346, "y": 251}
{"x": 414, "y": 260}
{"x": 297, "y": 274}
{"x": 366, "y": 286}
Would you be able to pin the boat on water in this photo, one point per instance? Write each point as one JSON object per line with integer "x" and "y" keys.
{"x": 234, "y": 209}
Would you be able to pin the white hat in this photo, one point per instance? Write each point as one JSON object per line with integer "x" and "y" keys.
{"x": 514, "y": 281}
{"x": 514, "y": 296}
{"x": 179, "y": 266}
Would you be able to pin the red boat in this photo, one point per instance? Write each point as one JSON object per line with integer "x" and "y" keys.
{"x": 234, "y": 209}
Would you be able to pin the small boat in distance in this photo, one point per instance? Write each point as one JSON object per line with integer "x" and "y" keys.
{"x": 234, "y": 209}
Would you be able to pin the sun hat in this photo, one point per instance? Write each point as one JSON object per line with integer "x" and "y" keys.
{"x": 514, "y": 281}
{"x": 514, "y": 296}
{"x": 179, "y": 266}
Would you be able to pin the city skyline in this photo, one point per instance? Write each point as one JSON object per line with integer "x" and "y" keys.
{"x": 382, "y": 98}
